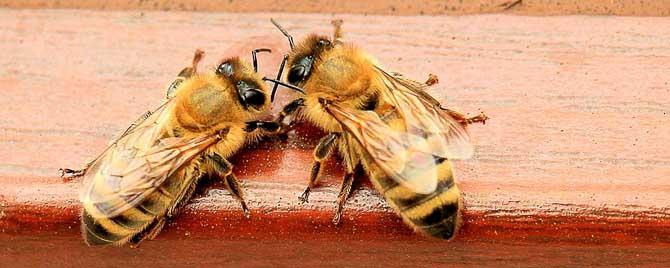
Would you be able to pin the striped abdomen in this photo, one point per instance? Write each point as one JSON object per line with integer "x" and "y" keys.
{"x": 143, "y": 220}
{"x": 436, "y": 214}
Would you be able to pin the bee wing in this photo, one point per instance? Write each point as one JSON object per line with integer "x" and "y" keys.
{"x": 424, "y": 117}
{"x": 137, "y": 163}
{"x": 406, "y": 157}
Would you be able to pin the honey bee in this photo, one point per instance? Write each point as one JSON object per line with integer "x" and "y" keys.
{"x": 150, "y": 172}
{"x": 383, "y": 122}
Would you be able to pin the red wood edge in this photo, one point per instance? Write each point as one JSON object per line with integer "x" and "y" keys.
{"x": 279, "y": 216}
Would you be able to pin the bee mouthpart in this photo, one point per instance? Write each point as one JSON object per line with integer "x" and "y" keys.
{"x": 324, "y": 102}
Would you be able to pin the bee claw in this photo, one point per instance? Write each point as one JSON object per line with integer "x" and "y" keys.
{"x": 337, "y": 22}
{"x": 484, "y": 118}
{"x": 69, "y": 174}
{"x": 481, "y": 118}
{"x": 336, "y": 219}
{"x": 304, "y": 198}
{"x": 245, "y": 210}
{"x": 432, "y": 80}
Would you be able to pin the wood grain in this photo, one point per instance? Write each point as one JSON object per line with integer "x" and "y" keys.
{"x": 574, "y": 159}
{"x": 386, "y": 7}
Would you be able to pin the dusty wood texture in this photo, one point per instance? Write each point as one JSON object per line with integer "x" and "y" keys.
{"x": 571, "y": 168}
{"x": 392, "y": 7}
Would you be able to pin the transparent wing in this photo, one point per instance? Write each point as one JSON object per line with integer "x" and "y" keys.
{"x": 139, "y": 161}
{"x": 404, "y": 156}
{"x": 424, "y": 117}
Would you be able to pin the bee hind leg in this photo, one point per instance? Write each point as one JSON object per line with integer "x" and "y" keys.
{"x": 185, "y": 73}
{"x": 464, "y": 120}
{"x": 321, "y": 153}
{"x": 342, "y": 197}
{"x": 224, "y": 169}
{"x": 432, "y": 80}
{"x": 150, "y": 233}
{"x": 68, "y": 174}
{"x": 337, "y": 34}
{"x": 350, "y": 165}
{"x": 156, "y": 229}
{"x": 289, "y": 110}
{"x": 236, "y": 190}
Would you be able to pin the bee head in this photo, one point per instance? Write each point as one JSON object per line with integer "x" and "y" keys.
{"x": 302, "y": 57}
{"x": 249, "y": 86}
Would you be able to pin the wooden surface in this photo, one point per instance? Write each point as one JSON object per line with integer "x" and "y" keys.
{"x": 571, "y": 169}
{"x": 388, "y": 7}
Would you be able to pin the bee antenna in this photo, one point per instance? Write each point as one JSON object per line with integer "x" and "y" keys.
{"x": 281, "y": 70}
{"x": 285, "y": 85}
{"x": 282, "y": 30}
{"x": 253, "y": 56}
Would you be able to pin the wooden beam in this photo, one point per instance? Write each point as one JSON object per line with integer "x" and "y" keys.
{"x": 572, "y": 163}
{"x": 386, "y": 7}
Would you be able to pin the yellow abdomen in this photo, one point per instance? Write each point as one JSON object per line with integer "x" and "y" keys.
{"x": 436, "y": 214}
{"x": 134, "y": 224}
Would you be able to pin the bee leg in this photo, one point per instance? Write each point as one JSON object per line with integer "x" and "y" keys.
{"x": 432, "y": 80}
{"x": 236, "y": 190}
{"x": 337, "y": 35}
{"x": 321, "y": 153}
{"x": 224, "y": 169}
{"x": 185, "y": 73}
{"x": 288, "y": 110}
{"x": 156, "y": 229}
{"x": 349, "y": 164}
{"x": 150, "y": 233}
{"x": 68, "y": 174}
{"x": 268, "y": 128}
{"x": 464, "y": 120}
{"x": 343, "y": 196}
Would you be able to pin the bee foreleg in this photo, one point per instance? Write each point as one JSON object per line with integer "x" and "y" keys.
{"x": 267, "y": 127}
{"x": 321, "y": 153}
{"x": 223, "y": 169}
{"x": 290, "y": 109}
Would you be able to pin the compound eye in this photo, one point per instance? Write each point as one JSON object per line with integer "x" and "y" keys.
{"x": 225, "y": 69}
{"x": 300, "y": 70}
{"x": 254, "y": 98}
{"x": 297, "y": 74}
{"x": 250, "y": 95}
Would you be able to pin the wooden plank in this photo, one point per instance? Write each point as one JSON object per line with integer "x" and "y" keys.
{"x": 387, "y": 7}
{"x": 572, "y": 162}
